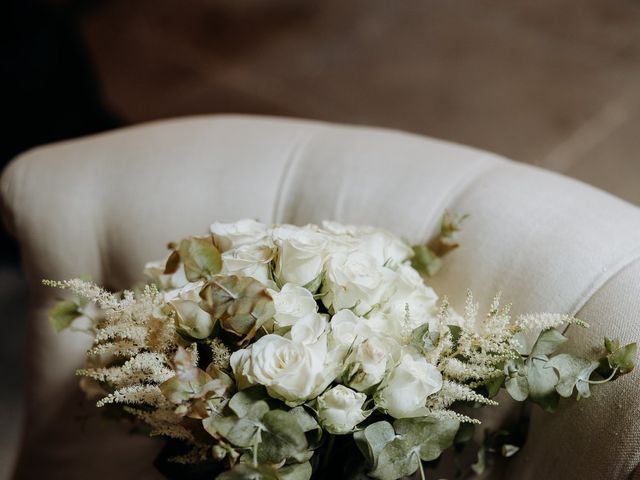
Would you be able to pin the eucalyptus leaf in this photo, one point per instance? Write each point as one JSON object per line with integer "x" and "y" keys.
{"x": 431, "y": 435}
{"x": 241, "y": 432}
{"x": 542, "y": 380}
{"x": 624, "y": 358}
{"x": 241, "y": 304}
{"x": 372, "y": 439}
{"x": 518, "y": 387}
{"x": 548, "y": 342}
{"x": 573, "y": 372}
{"x": 243, "y": 402}
{"x": 245, "y": 471}
{"x": 190, "y": 382}
{"x": 494, "y": 385}
{"x": 282, "y": 438}
{"x": 63, "y": 314}
{"x": 201, "y": 259}
{"x": 398, "y": 458}
{"x": 192, "y": 320}
{"x": 295, "y": 471}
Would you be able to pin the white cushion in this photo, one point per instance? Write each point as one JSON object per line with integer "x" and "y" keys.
{"x": 106, "y": 204}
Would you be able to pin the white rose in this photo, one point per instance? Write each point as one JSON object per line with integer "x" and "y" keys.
{"x": 368, "y": 363}
{"x": 155, "y": 272}
{"x": 354, "y": 280}
{"x": 411, "y": 305}
{"x": 292, "y": 303}
{"x": 405, "y": 390}
{"x": 301, "y": 253}
{"x": 348, "y": 330}
{"x": 340, "y": 409}
{"x": 231, "y": 235}
{"x": 383, "y": 245}
{"x": 291, "y": 371}
{"x": 251, "y": 260}
{"x": 310, "y": 329}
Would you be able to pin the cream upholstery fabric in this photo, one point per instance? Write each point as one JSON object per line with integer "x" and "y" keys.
{"x": 104, "y": 205}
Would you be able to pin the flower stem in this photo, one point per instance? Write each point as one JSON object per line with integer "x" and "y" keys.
{"x": 596, "y": 382}
{"x": 420, "y": 467}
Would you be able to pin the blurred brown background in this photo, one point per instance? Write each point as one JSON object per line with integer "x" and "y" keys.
{"x": 554, "y": 83}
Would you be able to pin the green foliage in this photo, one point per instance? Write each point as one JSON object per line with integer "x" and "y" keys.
{"x": 201, "y": 259}
{"x": 63, "y": 314}
{"x": 245, "y": 471}
{"x": 427, "y": 258}
{"x": 423, "y": 339}
{"x": 572, "y": 372}
{"x": 432, "y": 435}
{"x": 395, "y": 450}
{"x": 192, "y": 320}
{"x": 425, "y": 261}
{"x": 622, "y": 358}
{"x": 543, "y": 378}
{"x": 193, "y": 390}
{"x": 241, "y": 304}
{"x": 282, "y": 438}
{"x": 269, "y": 436}
{"x": 548, "y": 342}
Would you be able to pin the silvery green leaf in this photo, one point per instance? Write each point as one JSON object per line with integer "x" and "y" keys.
{"x": 372, "y": 439}
{"x": 624, "y": 358}
{"x": 542, "y": 381}
{"x": 304, "y": 419}
{"x": 243, "y": 403}
{"x": 201, "y": 259}
{"x": 241, "y": 304}
{"x": 241, "y": 432}
{"x": 494, "y": 385}
{"x": 282, "y": 438}
{"x": 192, "y": 320}
{"x": 573, "y": 372}
{"x": 518, "y": 387}
{"x": 398, "y": 458}
{"x": 431, "y": 435}
{"x": 246, "y": 471}
{"x": 295, "y": 471}
{"x": 63, "y": 314}
{"x": 548, "y": 342}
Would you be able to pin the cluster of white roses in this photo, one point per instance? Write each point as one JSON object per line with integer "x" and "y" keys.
{"x": 346, "y": 300}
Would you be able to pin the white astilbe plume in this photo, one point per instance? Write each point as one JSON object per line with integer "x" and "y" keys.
{"x": 136, "y": 394}
{"x": 163, "y": 421}
{"x": 444, "y": 414}
{"x": 482, "y": 346}
{"x": 544, "y": 321}
{"x": 146, "y": 368}
{"x": 139, "y": 329}
{"x": 452, "y": 392}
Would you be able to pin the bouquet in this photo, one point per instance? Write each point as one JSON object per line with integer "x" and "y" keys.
{"x": 284, "y": 352}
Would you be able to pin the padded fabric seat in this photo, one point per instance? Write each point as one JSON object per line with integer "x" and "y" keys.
{"x": 104, "y": 205}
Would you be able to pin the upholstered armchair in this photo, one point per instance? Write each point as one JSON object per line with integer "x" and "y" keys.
{"x": 104, "y": 205}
